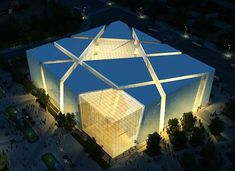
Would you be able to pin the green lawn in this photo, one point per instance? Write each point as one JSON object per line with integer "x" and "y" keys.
{"x": 29, "y": 134}
{"x": 11, "y": 112}
{"x": 50, "y": 161}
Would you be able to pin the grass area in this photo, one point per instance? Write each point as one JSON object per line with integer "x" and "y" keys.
{"x": 11, "y": 112}
{"x": 29, "y": 134}
{"x": 2, "y": 93}
{"x": 50, "y": 161}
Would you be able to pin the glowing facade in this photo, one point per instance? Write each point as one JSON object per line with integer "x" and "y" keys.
{"x": 121, "y": 83}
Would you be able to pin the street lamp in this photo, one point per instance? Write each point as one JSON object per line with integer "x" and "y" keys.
{"x": 228, "y": 54}
{"x": 110, "y": 3}
{"x": 185, "y": 32}
{"x": 140, "y": 13}
{"x": 84, "y": 13}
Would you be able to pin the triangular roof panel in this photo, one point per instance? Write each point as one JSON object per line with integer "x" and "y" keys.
{"x": 122, "y": 71}
{"x": 146, "y": 95}
{"x": 47, "y": 52}
{"x": 143, "y": 37}
{"x": 177, "y": 65}
{"x": 58, "y": 70}
{"x": 118, "y": 30}
{"x": 82, "y": 81}
{"x": 75, "y": 46}
{"x": 155, "y": 48}
{"x": 89, "y": 33}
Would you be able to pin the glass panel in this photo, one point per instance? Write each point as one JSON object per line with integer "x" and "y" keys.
{"x": 112, "y": 118}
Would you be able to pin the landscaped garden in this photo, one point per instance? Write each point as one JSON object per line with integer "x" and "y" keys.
{"x": 11, "y": 112}
{"x": 51, "y": 162}
{"x": 28, "y": 133}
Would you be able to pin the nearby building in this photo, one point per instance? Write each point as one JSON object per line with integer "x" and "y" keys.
{"x": 122, "y": 83}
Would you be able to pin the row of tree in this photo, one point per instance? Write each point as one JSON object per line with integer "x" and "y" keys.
{"x": 189, "y": 129}
{"x": 178, "y": 134}
{"x": 66, "y": 121}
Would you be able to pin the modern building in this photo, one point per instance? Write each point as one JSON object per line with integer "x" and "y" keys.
{"x": 121, "y": 83}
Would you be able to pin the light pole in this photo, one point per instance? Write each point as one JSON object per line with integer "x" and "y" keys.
{"x": 140, "y": 13}
{"x": 229, "y": 47}
{"x": 110, "y": 3}
{"x": 228, "y": 54}
{"x": 84, "y": 13}
{"x": 185, "y": 32}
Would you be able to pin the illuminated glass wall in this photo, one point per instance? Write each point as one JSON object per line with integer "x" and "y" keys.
{"x": 112, "y": 117}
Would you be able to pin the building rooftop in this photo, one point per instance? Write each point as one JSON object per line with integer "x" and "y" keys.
{"x": 89, "y": 33}
{"x": 81, "y": 81}
{"x": 58, "y": 70}
{"x": 123, "y": 71}
{"x": 145, "y": 94}
{"x": 155, "y": 48}
{"x": 46, "y": 52}
{"x": 75, "y": 46}
{"x": 117, "y": 60}
{"x": 143, "y": 37}
{"x": 118, "y": 30}
{"x": 177, "y": 65}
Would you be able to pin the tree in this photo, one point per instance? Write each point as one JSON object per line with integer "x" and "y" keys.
{"x": 3, "y": 162}
{"x": 67, "y": 121}
{"x": 198, "y": 136}
{"x": 188, "y": 121}
{"x": 42, "y": 97}
{"x": 173, "y": 126}
{"x": 60, "y": 119}
{"x": 153, "y": 142}
{"x": 179, "y": 140}
{"x": 70, "y": 121}
{"x": 216, "y": 126}
{"x": 188, "y": 162}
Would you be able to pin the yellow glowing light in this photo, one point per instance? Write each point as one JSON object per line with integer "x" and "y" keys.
{"x": 43, "y": 78}
{"x": 159, "y": 88}
{"x": 136, "y": 85}
{"x": 112, "y": 117}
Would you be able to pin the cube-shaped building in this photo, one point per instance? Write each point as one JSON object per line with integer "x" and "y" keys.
{"x": 121, "y": 83}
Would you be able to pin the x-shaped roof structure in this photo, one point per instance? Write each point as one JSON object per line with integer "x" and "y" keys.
{"x": 121, "y": 58}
